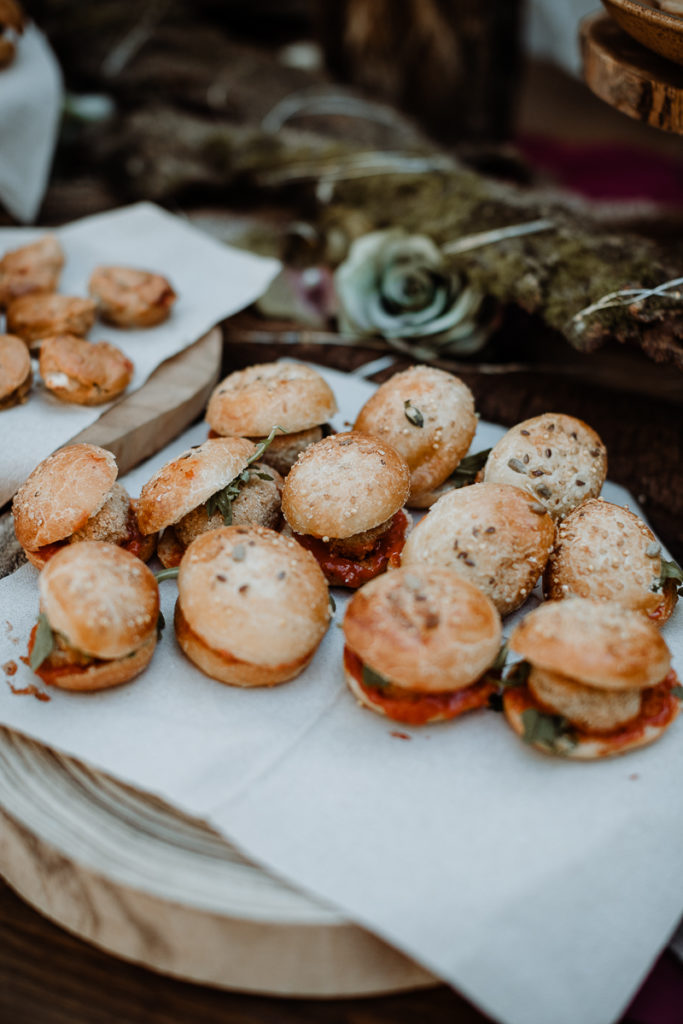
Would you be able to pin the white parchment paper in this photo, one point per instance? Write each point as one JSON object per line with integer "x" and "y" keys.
{"x": 212, "y": 281}
{"x": 31, "y": 96}
{"x": 542, "y": 889}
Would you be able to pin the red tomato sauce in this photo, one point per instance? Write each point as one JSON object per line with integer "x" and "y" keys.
{"x": 354, "y": 572}
{"x": 420, "y": 708}
{"x": 659, "y": 707}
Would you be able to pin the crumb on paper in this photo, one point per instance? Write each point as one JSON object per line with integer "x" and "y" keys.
{"x": 30, "y": 691}
{"x": 401, "y": 735}
{"x": 10, "y": 668}
{"x": 634, "y": 776}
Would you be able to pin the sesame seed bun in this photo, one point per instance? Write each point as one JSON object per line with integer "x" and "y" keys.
{"x": 128, "y": 297}
{"x": 593, "y": 642}
{"x": 250, "y": 402}
{"x": 557, "y": 458}
{"x": 343, "y": 485}
{"x": 103, "y": 600}
{"x": 424, "y": 629}
{"x": 189, "y": 480}
{"x": 15, "y": 371}
{"x": 84, "y": 372}
{"x": 238, "y": 585}
{"x": 607, "y": 553}
{"x": 494, "y": 535}
{"x": 444, "y": 406}
{"x": 61, "y": 494}
{"x": 34, "y": 317}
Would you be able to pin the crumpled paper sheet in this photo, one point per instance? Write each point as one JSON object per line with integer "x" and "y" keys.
{"x": 31, "y": 97}
{"x": 542, "y": 889}
{"x": 212, "y": 281}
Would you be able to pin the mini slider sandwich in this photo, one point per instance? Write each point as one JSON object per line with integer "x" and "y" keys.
{"x": 72, "y": 496}
{"x": 607, "y": 553}
{"x": 99, "y": 614}
{"x": 33, "y": 268}
{"x": 34, "y": 317}
{"x": 127, "y": 297}
{"x": 419, "y": 643}
{"x": 343, "y": 500}
{"x": 16, "y": 375}
{"x": 598, "y": 680}
{"x": 428, "y": 416}
{"x": 83, "y": 372}
{"x": 218, "y": 483}
{"x": 249, "y": 402}
{"x": 558, "y": 459}
{"x": 252, "y": 606}
{"x": 496, "y": 536}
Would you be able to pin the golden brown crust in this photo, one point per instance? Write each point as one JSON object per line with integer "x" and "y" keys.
{"x": 424, "y": 629}
{"x": 84, "y": 372}
{"x": 494, "y": 535}
{"x": 189, "y": 480}
{"x": 345, "y": 484}
{"x": 34, "y": 317}
{"x": 250, "y": 402}
{"x": 443, "y": 407}
{"x": 253, "y": 595}
{"x": 48, "y": 507}
{"x": 226, "y": 669}
{"x": 593, "y": 642}
{"x": 589, "y": 708}
{"x": 557, "y": 458}
{"x": 103, "y": 674}
{"x": 15, "y": 370}
{"x": 131, "y": 298}
{"x": 102, "y": 599}
{"x": 33, "y": 268}
{"x": 607, "y": 553}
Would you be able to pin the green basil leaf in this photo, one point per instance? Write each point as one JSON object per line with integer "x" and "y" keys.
{"x": 466, "y": 471}
{"x": 43, "y": 644}
{"x": 517, "y": 674}
{"x": 374, "y": 679}
{"x": 553, "y": 732}
{"x": 333, "y": 603}
{"x": 161, "y": 625}
{"x": 677, "y": 691}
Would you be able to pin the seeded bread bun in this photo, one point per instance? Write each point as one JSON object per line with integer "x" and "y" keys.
{"x": 15, "y": 371}
{"x": 238, "y": 585}
{"x": 61, "y": 494}
{"x": 128, "y": 297}
{"x": 84, "y": 372}
{"x": 557, "y": 458}
{"x": 494, "y": 535}
{"x": 250, "y": 402}
{"x": 424, "y": 629}
{"x": 596, "y": 643}
{"x": 607, "y": 553}
{"x": 344, "y": 485}
{"x": 189, "y": 480}
{"x": 30, "y": 269}
{"x": 34, "y": 317}
{"x": 428, "y": 416}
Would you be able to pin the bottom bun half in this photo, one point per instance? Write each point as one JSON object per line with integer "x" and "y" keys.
{"x": 102, "y": 674}
{"x": 222, "y": 666}
{"x": 660, "y": 708}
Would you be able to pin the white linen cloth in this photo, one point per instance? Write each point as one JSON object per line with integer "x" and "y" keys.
{"x": 31, "y": 97}
{"x": 540, "y": 888}
{"x": 212, "y": 281}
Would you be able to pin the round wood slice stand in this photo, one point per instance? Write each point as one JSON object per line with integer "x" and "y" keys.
{"x": 630, "y": 77}
{"x": 135, "y": 877}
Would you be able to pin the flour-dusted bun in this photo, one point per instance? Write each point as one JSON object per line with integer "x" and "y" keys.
{"x": 191, "y": 479}
{"x": 557, "y": 458}
{"x": 61, "y": 494}
{"x": 428, "y": 416}
{"x": 15, "y": 371}
{"x": 128, "y": 297}
{"x": 344, "y": 485}
{"x": 252, "y": 606}
{"x": 494, "y": 535}
{"x": 34, "y": 317}
{"x": 607, "y": 553}
{"x": 102, "y": 605}
{"x": 84, "y": 372}
{"x": 424, "y": 629}
{"x": 33, "y": 268}
{"x": 596, "y": 643}
{"x": 250, "y": 402}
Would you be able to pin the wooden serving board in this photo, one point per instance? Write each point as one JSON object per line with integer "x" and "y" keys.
{"x": 171, "y": 398}
{"x": 136, "y": 878}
